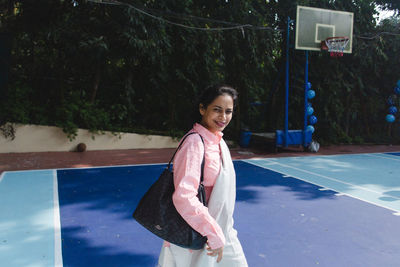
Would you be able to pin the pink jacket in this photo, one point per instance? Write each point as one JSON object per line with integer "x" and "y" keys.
{"x": 187, "y": 168}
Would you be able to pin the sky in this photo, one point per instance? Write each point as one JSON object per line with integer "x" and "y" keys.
{"x": 383, "y": 14}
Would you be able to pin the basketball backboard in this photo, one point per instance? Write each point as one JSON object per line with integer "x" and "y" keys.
{"x": 314, "y": 25}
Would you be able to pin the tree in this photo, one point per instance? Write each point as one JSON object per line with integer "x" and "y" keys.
{"x": 134, "y": 67}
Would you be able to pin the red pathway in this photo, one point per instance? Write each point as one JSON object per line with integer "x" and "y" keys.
{"x": 56, "y": 160}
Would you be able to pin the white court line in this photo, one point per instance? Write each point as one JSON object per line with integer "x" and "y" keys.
{"x": 165, "y": 163}
{"x": 319, "y": 156}
{"x": 91, "y": 167}
{"x": 323, "y": 189}
{"x": 2, "y": 176}
{"x": 113, "y": 166}
{"x": 58, "y": 261}
{"x": 330, "y": 178}
{"x": 383, "y": 157}
{"x": 323, "y": 186}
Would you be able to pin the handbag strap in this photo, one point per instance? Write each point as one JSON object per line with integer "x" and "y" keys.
{"x": 202, "y": 162}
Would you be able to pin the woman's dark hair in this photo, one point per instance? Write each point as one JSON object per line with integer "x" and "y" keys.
{"x": 210, "y": 93}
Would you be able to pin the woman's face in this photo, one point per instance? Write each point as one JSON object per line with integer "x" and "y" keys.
{"x": 218, "y": 113}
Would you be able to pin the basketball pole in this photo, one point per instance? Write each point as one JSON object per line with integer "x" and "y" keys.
{"x": 286, "y": 126}
{"x": 305, "y": 98}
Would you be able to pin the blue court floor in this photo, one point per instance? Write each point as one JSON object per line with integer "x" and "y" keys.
{"x": 340, "y": 210}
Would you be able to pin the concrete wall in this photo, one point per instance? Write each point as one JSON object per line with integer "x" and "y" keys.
{"x": 33, "y": 138}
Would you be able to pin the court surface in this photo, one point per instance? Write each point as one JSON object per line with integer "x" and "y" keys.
{"x": 339, "y": 210}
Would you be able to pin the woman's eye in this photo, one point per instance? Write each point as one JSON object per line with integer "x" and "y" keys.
{"x": 219, "y": 110}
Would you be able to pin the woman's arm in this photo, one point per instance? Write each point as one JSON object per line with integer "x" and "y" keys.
{"x": 187, "y": 171}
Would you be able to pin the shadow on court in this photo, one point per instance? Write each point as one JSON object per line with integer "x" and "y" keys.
{"x": 96, "y": 207}
{"x": 253, "y": 178}
{"x": 281, "y": 221}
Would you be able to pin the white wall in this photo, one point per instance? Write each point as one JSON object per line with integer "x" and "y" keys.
{"x": 34, "y": 138}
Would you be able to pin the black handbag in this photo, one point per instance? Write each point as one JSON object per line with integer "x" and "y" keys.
{"x": 157, "y": 213}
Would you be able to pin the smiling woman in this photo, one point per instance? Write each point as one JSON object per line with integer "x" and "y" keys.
{"x": 215, "y": 221}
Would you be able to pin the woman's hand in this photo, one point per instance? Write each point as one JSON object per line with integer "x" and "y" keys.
{"x": 215, "y": 252}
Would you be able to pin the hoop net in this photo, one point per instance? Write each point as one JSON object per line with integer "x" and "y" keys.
{"x": 335, "y": 45}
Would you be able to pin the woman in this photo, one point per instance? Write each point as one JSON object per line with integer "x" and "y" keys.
{"x": 223, "y": 248}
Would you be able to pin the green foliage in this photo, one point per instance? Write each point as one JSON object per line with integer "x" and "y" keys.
{"x": 108, "y": 67}
{"x": 17, "y": 105}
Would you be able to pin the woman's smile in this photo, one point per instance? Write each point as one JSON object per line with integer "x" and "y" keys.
{"x": 220, "y": 124}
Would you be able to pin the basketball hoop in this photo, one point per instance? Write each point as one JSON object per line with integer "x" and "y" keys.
{"x": 335, "y": 45}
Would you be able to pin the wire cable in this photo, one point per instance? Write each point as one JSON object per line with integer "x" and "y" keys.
{"x": 377, "y": 35}
{"x": 235, "y": 27}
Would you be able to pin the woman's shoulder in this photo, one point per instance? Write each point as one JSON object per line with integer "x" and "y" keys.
{"x": 192, "y": 137}
{"x": 192, "y": 141}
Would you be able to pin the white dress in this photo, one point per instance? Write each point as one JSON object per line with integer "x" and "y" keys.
{"x": 220, "y": 206}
